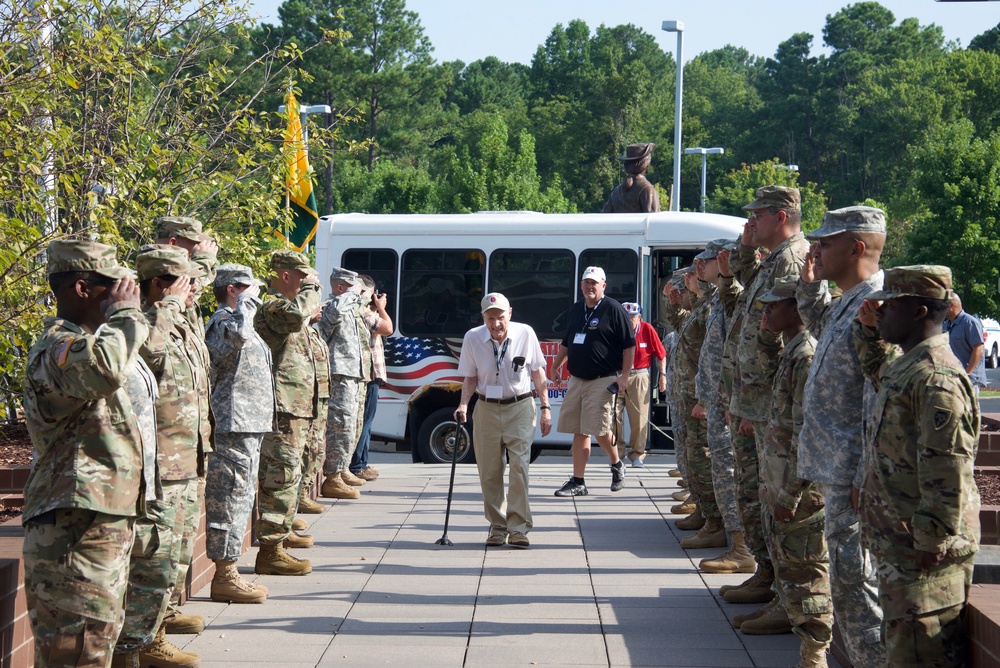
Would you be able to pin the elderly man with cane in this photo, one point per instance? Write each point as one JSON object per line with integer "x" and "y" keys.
{"x": 500, "y": 360}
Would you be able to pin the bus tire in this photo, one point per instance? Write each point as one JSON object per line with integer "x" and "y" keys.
{"x": 535, "y": 451}
{"x": 437, "y": 436}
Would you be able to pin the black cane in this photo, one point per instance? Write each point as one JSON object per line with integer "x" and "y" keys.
{"x": 443, "y": 540}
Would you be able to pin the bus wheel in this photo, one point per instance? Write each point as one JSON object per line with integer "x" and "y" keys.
{"x": 535, "y": 451}
{"x": 436, "y": 439}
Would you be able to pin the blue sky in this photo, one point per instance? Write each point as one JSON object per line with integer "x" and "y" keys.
{"x": 512, "y": 29}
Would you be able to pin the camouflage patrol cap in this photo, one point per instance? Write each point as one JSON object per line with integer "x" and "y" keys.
{"x": 345, "y": 275}
{"x": 850, "y": 219}
{"x": 84, "y": 255}
{"x": 234, "y": 274}
{"x": 289, "y": 259}
{"x": 178, "y": 226}
{"x": 679, "y": 273}
{"x": 783, "y": 288}
{"x": 712, "y": 249}
{"x": 931, "y": 281}
{"x": 163, "y": 260}
{"x": 779, "y": 197}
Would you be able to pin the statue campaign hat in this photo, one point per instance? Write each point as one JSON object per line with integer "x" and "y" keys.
{"x": 783, "y": 288}
{"x": 65, "y": 255}
{"x": 289, "y": 259}
{"x": 163, "y": 260}
{"x": 931, "y": 281}
{"x": 594, "y": 274}
{"x": 234, "y": 274}
{"x": 494, "y": 300}
{"x": 850, "y": 219}
{"x": 637, "y": 152}
{"x": 179, "y": 226}
{"x": 345, "y": 275}
{"x": 712, "y": 249}
{"x": 778, "y": 197}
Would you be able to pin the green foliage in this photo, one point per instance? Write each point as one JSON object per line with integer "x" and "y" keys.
{"x": 957, "y": 183}
{"x": 739, "y": 187}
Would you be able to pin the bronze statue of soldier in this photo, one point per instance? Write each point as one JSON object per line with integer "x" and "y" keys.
{"x": 635, "y": 194}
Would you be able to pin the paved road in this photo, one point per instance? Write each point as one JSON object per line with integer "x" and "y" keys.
{"x": 605, "y": 583}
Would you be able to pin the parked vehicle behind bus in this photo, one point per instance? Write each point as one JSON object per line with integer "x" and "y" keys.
{"x": 436, "y": 269}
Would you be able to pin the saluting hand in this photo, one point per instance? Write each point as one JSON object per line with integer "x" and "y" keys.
{"x": 124, "y": 292}
{"x": 183, "y": 287}
{"x": 723, "y": 258}
{"x": 808, "y": 274}
{"x": 867, "y": 313}
{"x": 207, "y": 246}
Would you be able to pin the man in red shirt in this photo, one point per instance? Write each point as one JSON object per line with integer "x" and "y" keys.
{"x": 635, "y": 399}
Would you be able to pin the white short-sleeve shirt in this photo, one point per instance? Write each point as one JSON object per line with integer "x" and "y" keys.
{"x": 493, "y": 363}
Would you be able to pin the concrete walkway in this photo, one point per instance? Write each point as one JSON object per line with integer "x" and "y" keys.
{"x": 605, "y": 583}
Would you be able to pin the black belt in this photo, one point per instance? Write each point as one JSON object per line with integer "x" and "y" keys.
{"x": 603, "y": 375}
{"x": 509, "y": 400}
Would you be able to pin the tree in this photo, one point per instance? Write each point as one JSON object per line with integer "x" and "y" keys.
{"x": 957, "y": 184}
{"x": 739, "y": 187}
{"x": 129, "y": 108}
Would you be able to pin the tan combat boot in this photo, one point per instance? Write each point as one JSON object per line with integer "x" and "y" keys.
{"x": 297, "y": 540}
{"x": 299, "y": 524}
{"x": 755, "y": 590}
{"x": 682, "y": 496}
{"x": 674, "y": 473}
{"x": 759, "y": 612}
{"x": 228, "y": 586}
{"x": 334, "y": 487}
{"x": 273, "y": 560}
{"x": 766, "y": 574}
{"x": 176, "y": 622}
{"x": 737, "y": 559}
{"x": 351, "y": 479}
{"x": 309, "y": 507}
{"x": 712, "y": 534}
{"x": 692, "y": 522}
{"x": 162, "y": 653}
{"x": 685, "y": 508}
{"x": 812, "y": 654}
{"x": 369, "y": 474}
{"x": 772, "y": 623}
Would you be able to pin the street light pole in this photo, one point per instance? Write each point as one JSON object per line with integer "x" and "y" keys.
{"x": 677, "y": 27}
{"x": 704, "y": 153}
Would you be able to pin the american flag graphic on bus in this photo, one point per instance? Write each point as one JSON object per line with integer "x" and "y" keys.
{"x": 411, "y": 363}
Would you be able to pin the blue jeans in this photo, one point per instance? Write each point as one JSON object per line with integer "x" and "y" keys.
{"x": 359, "y": 462}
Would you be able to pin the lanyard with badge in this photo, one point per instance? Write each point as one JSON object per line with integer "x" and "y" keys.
{"x": 587, "y": 315}
{"x": 496, "y": 391}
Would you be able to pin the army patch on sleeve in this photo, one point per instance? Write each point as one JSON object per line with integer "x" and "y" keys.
{"x": 941, "y": 418}
{"x": 78, "y": 346}
{"x": 63, "y": 352}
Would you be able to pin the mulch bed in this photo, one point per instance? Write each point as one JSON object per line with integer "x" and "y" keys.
{"x": 989, "y": 489}
{"x": 15, "y": 445}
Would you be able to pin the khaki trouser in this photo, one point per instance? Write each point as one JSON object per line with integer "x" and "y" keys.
{"x": 498, "y": 429}
{"x": 634, "y": 401}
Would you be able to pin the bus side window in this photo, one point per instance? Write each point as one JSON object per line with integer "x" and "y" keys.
{"x": 621, "y": 266}
{"x": 440, "y": 291}
{"x": 382, "y": 265}
{"x": 539, "y": 284}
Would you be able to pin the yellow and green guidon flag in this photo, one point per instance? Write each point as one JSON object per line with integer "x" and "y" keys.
{"x": 301, "y": 198}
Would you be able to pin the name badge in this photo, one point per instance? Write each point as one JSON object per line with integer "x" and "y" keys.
{"x": 494, "y": 392}
{"x": 643, "y": 345}
{"x": 579, "y": 337}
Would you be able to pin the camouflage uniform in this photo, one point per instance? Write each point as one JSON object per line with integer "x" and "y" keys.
{"x": 757, "y": 350}
{"x": 691, "y": 337}
{"x": 179, "y": 362}
{"x": 919, "y": 492}
{"x": 83, "y": 492}
{"x": 343, "y": 328}
{"x": 243, "y": 406}
{"x": 720, "y": 446}
{"x": 315, "y": 452}
{"x": 284, "y": 326}
{"x": 676, "y": 316}
{"x": 797, "y": 547}
{"x": 836, "y": 401}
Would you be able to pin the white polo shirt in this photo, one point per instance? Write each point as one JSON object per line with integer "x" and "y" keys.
{"x": 493, "y": 363}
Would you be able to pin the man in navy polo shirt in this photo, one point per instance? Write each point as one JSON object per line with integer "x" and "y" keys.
{"x": 598, "y": 344}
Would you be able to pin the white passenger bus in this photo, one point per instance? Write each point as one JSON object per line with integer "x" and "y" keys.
{"x": 436, "y": 269}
